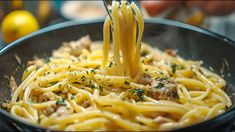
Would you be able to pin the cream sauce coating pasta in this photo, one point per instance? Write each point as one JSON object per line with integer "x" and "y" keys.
{"x": 125, "y": 87}
{"x": 74, "y": 92}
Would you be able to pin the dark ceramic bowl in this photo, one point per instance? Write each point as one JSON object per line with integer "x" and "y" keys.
{"x": 191, "y": 42}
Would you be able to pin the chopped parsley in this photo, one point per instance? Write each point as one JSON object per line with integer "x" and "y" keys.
{"x": 127, "y": 83}
{"x": 144, "y": 52}
{"x": 139, "y": 93}
{"x": 110, "y": 64}
{"x": 110, "y": 10}
{"x": 97, "y": 68}
{"x": 146, "y": 69}
{"x": 92, "y": 85}
{"x": 162, "y": 78}
{"x": 175, "y": 95}
{"x": 159, "y": 72}
{"x": 160, "y": 85}
{"x": 173, "y": 67}
{"x": 83, "y": 78}
{"x": 93, "y": 71}
{"x": 60, "y": 102}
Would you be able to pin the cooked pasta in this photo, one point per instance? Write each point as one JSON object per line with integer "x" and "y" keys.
{"x": 126, "y": 43}
{"x": 128, "y": 86}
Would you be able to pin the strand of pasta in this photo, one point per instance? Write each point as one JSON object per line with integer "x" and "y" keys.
{"x": 106, "y": 45}
{"x": 26, "y": 81}
{"x": 217, "y": 90}
{"x": 120, "y": 14}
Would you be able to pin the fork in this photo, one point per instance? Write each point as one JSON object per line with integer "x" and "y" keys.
{"x": 109, "y": 2}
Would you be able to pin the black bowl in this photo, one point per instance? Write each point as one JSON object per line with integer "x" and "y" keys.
{"x": 191, "y": 42}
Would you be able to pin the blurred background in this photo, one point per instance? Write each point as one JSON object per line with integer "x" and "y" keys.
{"x": 217, "y": 16}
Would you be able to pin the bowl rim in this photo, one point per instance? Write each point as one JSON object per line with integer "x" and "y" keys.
{"x": 228, "y": 114}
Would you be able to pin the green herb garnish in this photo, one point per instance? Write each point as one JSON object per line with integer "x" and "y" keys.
{"x": 93, "y": 71}
{"x": 92, "y": 85}
{"x": 159, "y": 72}
{"x": 97, "y": 68}
{"x": 139, "y": 93}
{"x": 83, "y": 78}
{"x": 160, "y": 85}
{"x": 110, "y": 64}
{"x": 127, "y": 83}
{"x": 144, "y": 52}
{"x": 175, "y": 95}
{"x": 173, "y": 67}
{"x": 162, "y": 78}
{"x": 60, "y": 102}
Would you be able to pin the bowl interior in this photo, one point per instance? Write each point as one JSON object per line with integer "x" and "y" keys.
{"x": 191, "y": 42}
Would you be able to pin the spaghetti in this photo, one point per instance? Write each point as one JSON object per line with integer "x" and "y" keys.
{"x": 126, "y": 43}
{"x": 85, "y": 87}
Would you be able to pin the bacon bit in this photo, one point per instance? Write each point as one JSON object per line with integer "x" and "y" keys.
{"x": 46, "y": 97}
{"x": 37, "y": 61}
{"x": 171, "y": 52}
{"x": 162, "y": 68}
{"x": 47, "y": 111}
{"x": 13, "y": 84}
{"x": 161, "y": 88}
{"x": 74, "y": 47}
{"x": 164, "y": 89}
{"x": 167, "y": 92}
{"x": 86, "y": 42}
{"x": 36, "y": 92}
{"x": 146, "y": 80}
{"x": 86, "y": 103}
{"x": 171, "y": 80}
{"x": 62, "y": 110}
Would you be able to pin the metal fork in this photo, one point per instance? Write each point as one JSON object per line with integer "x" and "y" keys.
{"x": 109, "y": 2}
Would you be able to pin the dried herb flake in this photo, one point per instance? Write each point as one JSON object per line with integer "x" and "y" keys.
{"x": 110, "y": 64}
{"x": 60, "y": 102}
